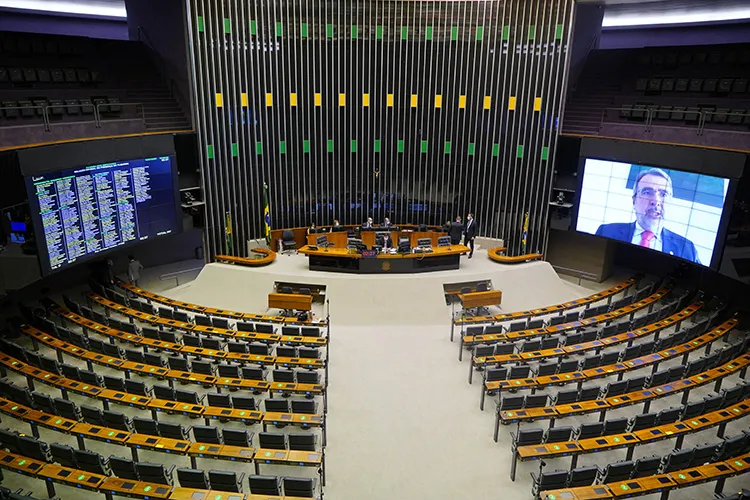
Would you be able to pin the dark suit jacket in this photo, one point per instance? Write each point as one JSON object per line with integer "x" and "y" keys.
{"x": 672, "y": 243}
{"x": 470, "y": 231}
{"x": 455, "y": 231}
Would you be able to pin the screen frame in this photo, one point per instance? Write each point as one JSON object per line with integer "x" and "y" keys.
{"x": 36, "y": 220}
{"x": 721, "y": 231}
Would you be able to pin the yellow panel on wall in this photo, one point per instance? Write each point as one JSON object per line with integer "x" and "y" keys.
{"x": 438, "y": 100}
{"x": 461, "y": 101}
{"x": 365, "y": 100}
{"x": 292, "y": 98}
{"x": 318, "y": 99}
{"x": 342, "y": 100}
{"x": 512, "y": 103}
{"x": 243, "y": 99}
{"x": 219, "y": 100}
{"x": 487, "y": 102}
{"x": 537, "y": 104}
{"x": 389, "y": 100}
{"x": 414, "y": 100}
{"x": 269, "y": 99}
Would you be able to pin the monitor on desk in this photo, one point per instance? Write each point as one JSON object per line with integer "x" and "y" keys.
{"x": 424, "y": 242}
{"x": 322, "y": 241}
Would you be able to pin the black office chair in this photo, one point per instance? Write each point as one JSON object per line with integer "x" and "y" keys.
{"x": 273, "y": 441}
{"x": 304, "y": 442}
{"x": 265, "y": 485}
{"x": 225, "y": 481}
{"x": 91, "y": 461}
{"x": 123, "y": 468}
{"x": 193, "y": 478}
{"x": 287, "y": 240}
{"x": 63, "y": 455}
{"x": 299, "y": 487}
{"x": 233, "y": 437}
{"x": 155, "y": 473}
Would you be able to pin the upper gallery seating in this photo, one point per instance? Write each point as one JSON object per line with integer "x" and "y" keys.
{"x": 689, "y": 95}
{"x": 60, "y": 87}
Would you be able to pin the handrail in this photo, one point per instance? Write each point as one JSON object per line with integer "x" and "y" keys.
{"x": 581, "y": 274}
{"x": 122, "y": 104}
{"x": 176, "y": 274}
{"x": 704, "y": 116}
{"x": 45, "y": 117}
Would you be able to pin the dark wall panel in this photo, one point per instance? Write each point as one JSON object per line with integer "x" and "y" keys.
{"x": 413, "y": 110}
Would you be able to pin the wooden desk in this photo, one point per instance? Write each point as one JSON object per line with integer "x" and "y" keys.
{"x": 606, "y": 294}
{"x": 642, "y": 486}
{"x": 267, "y": 256}
{"x": 136, "y": 489}
{"x": 191, "y": 494}
{"x": 290, "y": 301}
{"x": 415, "y": 236}
{"x": 497, "y": 254}
{"x": 480, "y": 299}
{"x": 337, "y": 239}
{"x": 340, "y": 260}
{"x": 369, "y": 237}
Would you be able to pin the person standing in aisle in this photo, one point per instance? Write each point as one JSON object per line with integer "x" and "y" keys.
{"x": 134, "y": 270}
{"x": 470, "y": 233}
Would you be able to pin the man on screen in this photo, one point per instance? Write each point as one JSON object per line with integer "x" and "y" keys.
{"x": 651, "y": 194}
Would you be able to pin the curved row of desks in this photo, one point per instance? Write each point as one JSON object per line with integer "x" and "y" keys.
{"x": 109, "y": 485}
{"x": 170, "y": 347}
{"x": 210, "y": 330}
{"x": 675, "y": 430}
{"x": 152, "y": 404}
{"x": 560, "y": 308}
{"x": 143, "y": 369}
{"x": 213, "y": 311}
{"x": 494, "y": 338}
{"x": 497, "y": 254}
{"x": 659, "y": 483}
{"x": 268, "y": 256}
{"x": 136, "y": 441}
{"x": 567, "y": 350}
{"x": 580, "y": 377}
{"x": 738, "y": 364}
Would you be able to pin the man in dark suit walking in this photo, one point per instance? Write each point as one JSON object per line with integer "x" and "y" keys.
{"x": 651, "y": 193}
{"x": 456, "y": 230}
{"x": 470, "y": 232}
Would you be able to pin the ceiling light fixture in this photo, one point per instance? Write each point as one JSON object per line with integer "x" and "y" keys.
{"x": 87, "y": 8}
{"x": 695, "y": 16}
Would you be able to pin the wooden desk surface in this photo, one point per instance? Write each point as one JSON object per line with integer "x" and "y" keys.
{"x": 288, "y": 457}
{"x": 549, "y": 309}
{"x": 138, "y": 489}
{"x": 342, "y": 252}
{"x": 480, "y": 299}
{"x": 290, "y": 301}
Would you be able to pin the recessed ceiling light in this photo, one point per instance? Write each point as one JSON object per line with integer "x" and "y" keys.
{"x": 694, "y": 16}
{"x": 87, "y": 8}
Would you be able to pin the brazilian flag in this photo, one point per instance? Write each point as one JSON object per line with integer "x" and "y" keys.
{"x": 266, "y": 215}
{"x": 228, "y": 232}
{"x": 525, "y": 232}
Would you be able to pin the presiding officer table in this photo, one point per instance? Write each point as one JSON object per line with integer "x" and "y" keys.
{"x": 340, "y": 260}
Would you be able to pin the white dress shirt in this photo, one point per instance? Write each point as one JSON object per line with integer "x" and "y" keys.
{"x": 656, "y": 241}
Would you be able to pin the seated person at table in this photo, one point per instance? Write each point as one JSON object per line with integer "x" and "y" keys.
{"x": 312, "y": 229}
{"x": 384, "y": 240}
{"x": 336, "y": 226}
{"x": 387, "y": 222}
{"x": 368, "y": 224}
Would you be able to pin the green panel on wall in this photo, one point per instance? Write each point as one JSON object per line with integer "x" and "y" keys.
{"x": 447, "y": 148}
{"x": 303, "y": 30}
{"x": 306, "y": 146}
{"x": 282, "y": 147}
{"x": 404, "y": 32}
{"x": 545, "y": 153}
{"x": 454, "y": 33}
{"x": 519, "y": 151}
{"x": 235, "y": 150}
{"x": 258, "y": 148}
{"x": 279, "y": 29}
{"x": 253, "y": 27}
{"x": 532, "y": 32}
{"x": 496, "y": 149}
{"x": 330, "y": 145}
{"x": 428, "y": 33}
{"x": 471, "y": 149}
{"x": 378, "y": 32}
{"x": 400, "y": 146}
{"x": 227, "y": 26}
{"x": 480, "y": 32}
{"x": 329, "y": 30}
{"x": 558, "y": 31}
{"x": 506, "y": 32}
{"x": 201, "y": 26}
{"x": 354, "y": 145}
{"x": 354, "y": 32}
{"x": 210, "y": 152}
{"x": 376, "y": 146}
{"x": 424, "y": 146}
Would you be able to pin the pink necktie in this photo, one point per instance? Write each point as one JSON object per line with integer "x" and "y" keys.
{"x": 646, "y": 238}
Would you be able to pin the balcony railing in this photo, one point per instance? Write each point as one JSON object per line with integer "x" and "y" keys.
{"x": 99, "y": 116}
